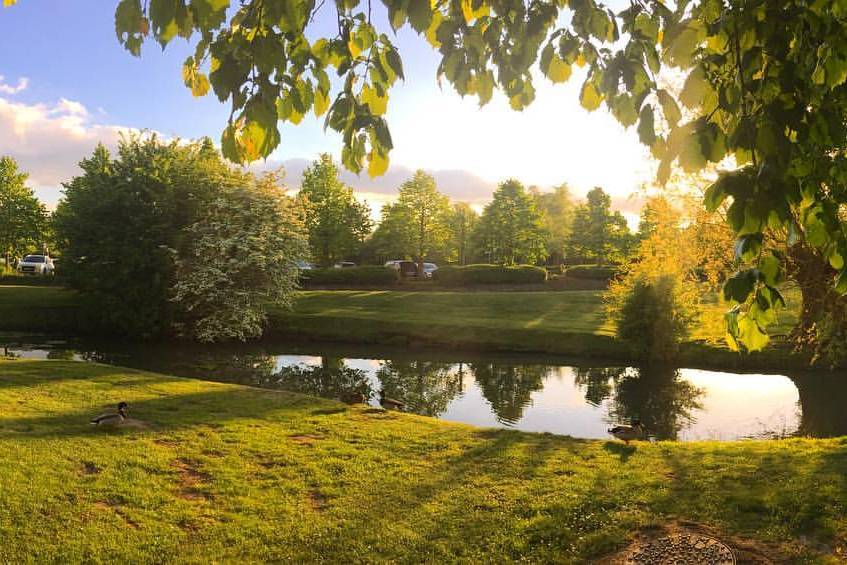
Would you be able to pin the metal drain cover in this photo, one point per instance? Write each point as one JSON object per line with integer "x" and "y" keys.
{"x": 680, "y": 549}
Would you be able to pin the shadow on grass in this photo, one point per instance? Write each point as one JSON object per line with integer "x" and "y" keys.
{"x": 622, "y": 450}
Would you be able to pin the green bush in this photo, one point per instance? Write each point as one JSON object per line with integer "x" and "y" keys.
{"x": 490, "y": 274}
{"x": 592, "y": 272}
{"x": 349, "y": 276}
{"x": 653, "y": 318}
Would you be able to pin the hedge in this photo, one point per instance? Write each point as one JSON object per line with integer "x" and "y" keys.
{"x": 490, "y": 274}
{"x": 30, "y": 280}
{"x": 592, "y": 272}
{"x": 352, "y": 276}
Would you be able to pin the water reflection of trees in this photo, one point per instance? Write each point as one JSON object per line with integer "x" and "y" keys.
{"x": 427, "y": 387}
{"x": 659, "y": 397}
{"x": 331, "y": 379}
{"x": 508, "y": 388}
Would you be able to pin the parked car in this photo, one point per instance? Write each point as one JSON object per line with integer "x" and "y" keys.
{"x": 344, "y": 264}
{"x": 429, "y": 269}
{"x": 410, "y": 268}
{"x": 37, "y": 265}
{"x": 305, "y": 265}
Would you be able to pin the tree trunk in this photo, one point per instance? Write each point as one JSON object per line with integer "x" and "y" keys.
{"x": 822, "y": 325}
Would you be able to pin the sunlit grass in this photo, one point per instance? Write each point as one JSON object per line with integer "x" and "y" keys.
{"x": 218, "y": 472}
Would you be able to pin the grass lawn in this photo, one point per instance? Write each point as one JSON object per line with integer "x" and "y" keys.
{"x": 37, "y": 309}
{"x": 217, "y": 472}
{"x": 568, "y": 323}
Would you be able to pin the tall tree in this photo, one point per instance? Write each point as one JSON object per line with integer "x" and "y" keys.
{"x": 557, "y": 212}
{"x": 417, "y": 224}
{"x": 509, "y": 230}
{"x": 336, "y": 221}
{"x": 463, "y": 221}
{"x": 23, "y": 219}
{"x": 598, "y": 233}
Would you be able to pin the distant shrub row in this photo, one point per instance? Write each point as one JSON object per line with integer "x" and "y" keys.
{"x": 29, "y": 280}
{"x": 352, "y": 276}
{"x": 592, "y": 272}
{"x": 490, "y": 274}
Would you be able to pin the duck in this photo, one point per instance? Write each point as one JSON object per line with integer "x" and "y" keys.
{"x": 628, "y": 433}
{"x": 112, "y": 418}
{"x": 390, "y": 403}
{"x": 355, "y": 397}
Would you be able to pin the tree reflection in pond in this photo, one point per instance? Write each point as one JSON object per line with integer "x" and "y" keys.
{"x": 509, "y": 388}
{"x": 332, "y": 379}
{"x": 598, "y": 382}
{"x": 427, "y": 387}
{"x": 659, "y": 397}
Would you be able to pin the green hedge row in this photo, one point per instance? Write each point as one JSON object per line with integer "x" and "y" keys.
{"x": 592, "y": 272}
{"x": 490, "y": 274}
{"x": 353, "y": 276}
{"x": 30, "y": 280}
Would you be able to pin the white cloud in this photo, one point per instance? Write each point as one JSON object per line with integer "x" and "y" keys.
{"x": 48, "y": 140}
{"x": 458, "y": 184}
{"x": 23, "y": 82}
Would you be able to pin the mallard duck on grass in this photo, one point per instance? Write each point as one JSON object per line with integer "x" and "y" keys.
{"x": 390, "y": 403}
{"x": 628, "y": 433}
{"x": 112, "y": 418}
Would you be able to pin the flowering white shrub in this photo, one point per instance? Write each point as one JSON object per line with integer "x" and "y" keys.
{"x": 239, "y": 256}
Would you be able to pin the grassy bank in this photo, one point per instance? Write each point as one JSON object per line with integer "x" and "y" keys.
{"x": 564, "y": 323}
{"x": 561, "y": 323}
{"x": 48, "y": 309}
{"x": 212, "y": 472}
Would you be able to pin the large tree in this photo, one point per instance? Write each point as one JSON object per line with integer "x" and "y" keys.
{"x": 417, "y": 224}
{"x": 463, "y": 221}
{"x": 167, "y": 238}
{"x": 337, "y": 222}
{"x": 23, "y": 219}
{"x": 557, "y": 210}
{"x": 598, "y": 233}
{"x": 510, "y": 229}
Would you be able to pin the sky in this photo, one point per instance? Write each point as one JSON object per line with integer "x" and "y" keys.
{"x": 75, "y": 86}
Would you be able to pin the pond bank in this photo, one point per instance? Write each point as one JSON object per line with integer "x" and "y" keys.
{"x": 568, "y": 323}
{"x": 226, "y": 472}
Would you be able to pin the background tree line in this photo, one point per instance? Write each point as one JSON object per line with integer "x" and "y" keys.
{"x": 518, "y": 226}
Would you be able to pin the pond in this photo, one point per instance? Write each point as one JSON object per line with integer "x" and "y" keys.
{"x": 531, "y": 393}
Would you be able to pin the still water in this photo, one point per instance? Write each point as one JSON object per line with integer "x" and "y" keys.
{"x": 531, "y": 393}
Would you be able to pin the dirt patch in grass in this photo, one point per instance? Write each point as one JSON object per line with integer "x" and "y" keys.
{"x": 89, "y": 468}
{"x": 305, "y": 439}
{"x": 115, "y": 507}
{"x": 191, "y": 479}
{"x": 167, "y": 442}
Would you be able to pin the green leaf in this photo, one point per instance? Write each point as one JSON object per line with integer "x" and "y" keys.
{"x": 376, "y": 103}
{"x": 646, "y": 126}
{"x": 715, "y": 195}
{"x": 751, "y": 335}
{"x": 589, "y": 97}
{"x": 669, "y": 107}
{"x": 559, "y": 70}
{"x": 769, "y": 268}
{"x": 739, "y": 286}
{"x": 747, "y": 246}
{"x": 377, "y": 164}
{"x": 694, "y": 89}
{"x": 321, "y": 102}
